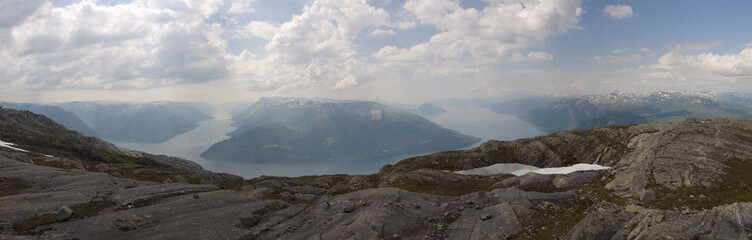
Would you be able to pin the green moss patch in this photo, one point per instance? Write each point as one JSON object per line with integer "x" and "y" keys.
{"x": 79, "y": 211}
{"x": 448, "y": 188}
{"x": 91, "y": 208}
{"x": 289, "y": 198}
{"x": 735, "y": 186}
{"x": 156, "y": 174}
{"x": 35, "y": 222}
{"x": 447, "y": 160}
{"x": 10, "y": 186}
{"x": 554, "y": 221}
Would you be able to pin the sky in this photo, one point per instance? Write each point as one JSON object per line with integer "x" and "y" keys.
{"x": 399, "y": 51}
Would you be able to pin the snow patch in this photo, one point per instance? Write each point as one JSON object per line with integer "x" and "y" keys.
{"x": 521, "y": 169}
{"x": 10, "y": 145}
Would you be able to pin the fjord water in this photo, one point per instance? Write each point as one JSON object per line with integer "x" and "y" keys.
{"x": 486, "y": 124}
{"x": 474, "y": 121}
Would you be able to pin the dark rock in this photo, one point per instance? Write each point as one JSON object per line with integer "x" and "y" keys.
{"x": 601, "y": 222}
{"x": 248, "y": 222}
{"x": 485, "y": 217}
{"x": 647, "y": 196}
{"x": 349, "y": 207}
{"x": 528, "y": 180}
{"x": 576, "y": 179}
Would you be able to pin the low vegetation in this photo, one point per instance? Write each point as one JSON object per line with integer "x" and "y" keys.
{"x": 10, "y": 186}
{"x": 735, "y": 186}
{"x": 79, "y": 211}
{"x": 449, "y": 188}
{"x": 35, "y": 222}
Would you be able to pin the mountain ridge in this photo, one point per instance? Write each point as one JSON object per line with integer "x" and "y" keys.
{"x": 553, "y": 114}
{"x": 300, "y": 130}
{"x": 148, "y": 122}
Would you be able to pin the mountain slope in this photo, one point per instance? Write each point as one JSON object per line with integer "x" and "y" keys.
{"x": 619, "y": 108}
{"x": 42, "y": 135}
{"x": 67, "y": 119}
{"x": 679, "y": 179}
{"x": 299, "y": 130}
{"x": 138, "y": 122}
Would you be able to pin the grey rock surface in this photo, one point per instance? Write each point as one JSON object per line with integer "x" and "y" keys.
{"x": 577, "y": 179}
{"x": 64, "y": 213}
{"x": 663, "y": 183}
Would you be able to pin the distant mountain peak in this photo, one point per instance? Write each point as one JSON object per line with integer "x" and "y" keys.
{"x": 300, "y": 101}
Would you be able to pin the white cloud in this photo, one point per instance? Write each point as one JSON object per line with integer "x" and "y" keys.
{"x": 346, "y": 83}
{"x": 701, "y": 46}
{"x": 404, "y": 24}
{"x": 617, "y": 51}
{"x": 241, "y": 6}
{"x": 540, "y": 56}
{"x": 726, "y": 65}
{"x": 381, "y": 33}
{"x": 645, "y": 50}
{"x": 262, "y": 30}
{"x": 616, "y": 58}
{"x": 489, "y": 35}
{"x": 143, "y": 44}
{"x": 533, "y": 57}
{"x": 313, "y": 50}
{"x": 618, "y": 11}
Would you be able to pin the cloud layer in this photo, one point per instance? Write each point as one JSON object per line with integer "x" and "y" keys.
{"x": 618, "y": 11}
{"x": 343, "y": 48}
{"x": 87, "y": 45}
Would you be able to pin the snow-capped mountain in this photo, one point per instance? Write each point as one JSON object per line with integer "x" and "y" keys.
{"x": 625, "y": 108}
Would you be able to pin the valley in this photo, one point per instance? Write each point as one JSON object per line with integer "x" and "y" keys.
{"x": 475, "y": 121}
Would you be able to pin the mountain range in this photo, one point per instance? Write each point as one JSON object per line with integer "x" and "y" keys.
{"x": 58, "y": 114}
{"x": 303, "y": 130}
{"x": 678, "y": 179}
{"x": 553, "y": 114}
{"x": 150, "y": 122}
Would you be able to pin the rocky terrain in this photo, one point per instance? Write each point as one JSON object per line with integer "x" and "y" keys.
{"x": 672, "y": 180}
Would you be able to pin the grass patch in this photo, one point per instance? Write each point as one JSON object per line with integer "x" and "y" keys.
{"x": 735, "y": 186}
{"x": 91, "y": 208}
{"x": 235, "y": 185}
{"x": 289, "y": 198}
{"x": 446, "y": 160}
{"x": 10, "y": 186}
{"x": 448, "y": 188}
{"x": 554, "y": 221}
{"x": 156, "y": 174}
{"x": 79, "y": 211}
{"x": 35, "y": 222}
{"x": 125, "y": 229}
